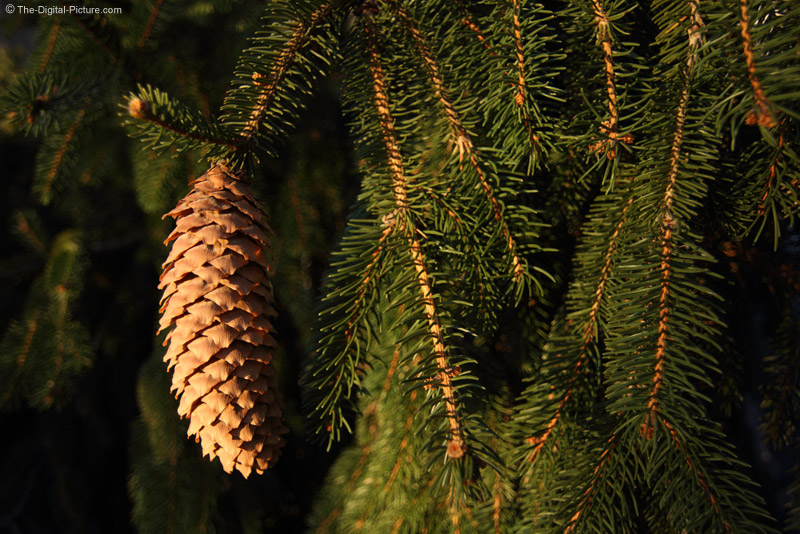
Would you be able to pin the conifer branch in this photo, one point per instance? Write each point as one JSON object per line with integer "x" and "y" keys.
{"x": 367, "y": 450}
{"x": 368, "y": 280}
{"x": 58, "y": 157}
{"x": 151, "y": 21}
{"x": 519, "y": 98}
{"x": 468, "y": 23}
{"x": 588, "y": 494}
{"x": 402, "y": 456}
{"x": 701, "y": 480}
{"x": 497, "y": 504}
{"x": 762, "y": 115}
{"x": 668, "y": 223}
{"x": 270, "y": 83}
{"x": 463, "y": 142}
{"x": 771, "y": 175}
{"x": 590, "y": 328}
{"x": 32, "y": 325}
{"x": 456, "y": 446}
{"x": 156, "y": 108}
{"x": 51, "y": 44}
{"x": 610, "y": 126}
{"x": 403, "y": 443}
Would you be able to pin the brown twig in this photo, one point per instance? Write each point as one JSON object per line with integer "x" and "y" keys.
{"x": 269, "y": 83}
{"x": 463, "y": 142}
{"x": 610, "y": 126}
{"x": 456, "y": 446}
{"x": 668, "y": 223}
{"x": 762, "y": 114}
{"x": 151, "y": 20}
{"x": 700, "y": 478}
{"x": 589, "y": 334}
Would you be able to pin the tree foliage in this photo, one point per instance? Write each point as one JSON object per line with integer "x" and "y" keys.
{"x": 531, "y": 315}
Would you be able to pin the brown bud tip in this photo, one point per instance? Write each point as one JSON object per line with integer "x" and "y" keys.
{"x": 138, "y": 108}
{"x": 751, "y": 119}
{"x": 765, "y": 120}
{"x": 456, "y": 448}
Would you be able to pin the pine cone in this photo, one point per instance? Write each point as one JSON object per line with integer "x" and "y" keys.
{"x": 219, "y": 300}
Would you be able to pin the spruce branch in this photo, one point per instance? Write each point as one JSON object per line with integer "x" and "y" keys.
{"x": 275, "y": 72}
{"x": 520, "y": 99}
{"x": 712, "y": 497}
{"x": 151, "y": 21}
{"x": 45, "y": 186}
{"x": 462, "y": 142}
{"x": 701, "y": 478}
{"x": 762, "y": 115}
{"x": 344, "y": 326}
{"x": 268, "y": 84}
{"x": 667, "y": 223}
{"x": 610, "y": 126}
{"x": 597, "y": 478}
{"x": 469, "y": 23}
{"x": 588, "y": 330}
{"x": 51, "y": 43}
{"x": 43, "y": 353}
{"x": 40, "y": 102}
{"x": 456, "y": 447}
{"x": 514, "y": 81}
{"x": 154, "y": 115}
{"x": 769, "y": 186}
{"x": 366, "y": 451}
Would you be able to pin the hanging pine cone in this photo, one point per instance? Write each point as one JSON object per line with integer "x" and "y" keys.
{"x": 219, "y": 299}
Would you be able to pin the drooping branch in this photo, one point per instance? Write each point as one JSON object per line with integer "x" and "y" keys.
{"x": 151, "y": 21}
{"x": 58, "y": 158}
{"x": 588, "y": 494}
{"x": 51, "y": 43}
{"x": 772, "y": 173}
{"x": 466, "y": 20}
{"x": 366, "y": 452}
{"x": 269, "y": 83}
{"x": 701, "y": 480}
{"x": 610, "y": 126}
{"x": 463, "y": 142}
{"x": 519, "y": 98}
{"x": 456, "y": 446}
{"x": 590, "y": 328}
{"x": 668, "y": 223}
{"x": 762, "y": 114}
